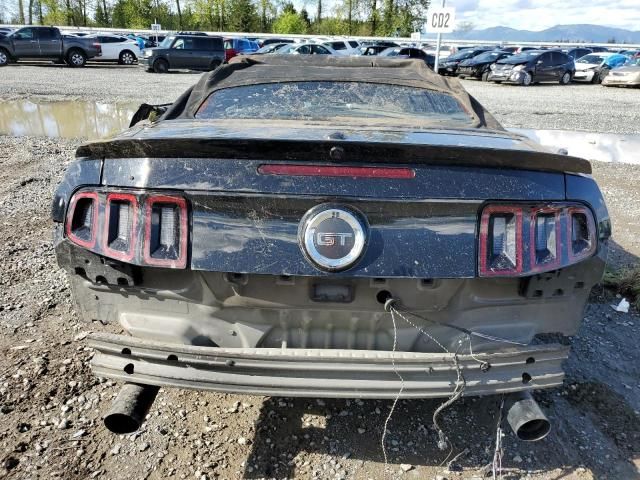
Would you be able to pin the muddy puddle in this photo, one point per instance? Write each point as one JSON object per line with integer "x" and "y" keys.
{"x": 68, "y": 119}
{"x": 603, "y": 147}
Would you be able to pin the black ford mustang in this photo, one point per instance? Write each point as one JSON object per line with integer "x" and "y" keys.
{"x": 325, "y": 227}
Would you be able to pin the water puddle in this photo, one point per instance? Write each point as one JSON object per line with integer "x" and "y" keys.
{"x": 602, "y": 147}
{"x": 68, "y": 119}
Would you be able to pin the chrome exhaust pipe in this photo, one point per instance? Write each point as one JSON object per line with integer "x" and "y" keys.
{"x": 526, "y": 418}
{"x": 130, "y": 407}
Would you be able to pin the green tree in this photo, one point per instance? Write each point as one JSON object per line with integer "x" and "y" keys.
{"x": 291, "y": 23}
{"x": 243, "y": 16}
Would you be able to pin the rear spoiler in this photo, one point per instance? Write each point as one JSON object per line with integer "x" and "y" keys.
{"x": 330, "y": 151}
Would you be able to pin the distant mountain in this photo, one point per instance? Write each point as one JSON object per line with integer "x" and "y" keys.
{"x": 560, "y": 33}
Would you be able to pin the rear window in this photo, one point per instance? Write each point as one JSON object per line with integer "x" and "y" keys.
{"x": 394, "y": 104}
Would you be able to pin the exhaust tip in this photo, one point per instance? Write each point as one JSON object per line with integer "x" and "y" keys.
{"x": 130, "y": 408}
{"x": 534, "y": 430}
{"x": 526, "y": 418}
{"x": 120, "y": 423}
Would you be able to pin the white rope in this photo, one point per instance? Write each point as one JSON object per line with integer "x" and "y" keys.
{"x": 395, "y": 400}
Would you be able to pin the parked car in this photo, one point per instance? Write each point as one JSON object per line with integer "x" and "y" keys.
{"x": 371, "y": 50}
{"x": 305, "y": 49}
{"x": 238, "y": 46}
{"x": 410, "y": 52}
{"x": 436, "y": 256}
{"x": 117, "y": 48}
{"x": 188, "y": 52}
{"x": 480, "y": 66}
{"x": 626, "y": 76}
{"x": 47, "y": 43}
{"x": 534, "y": 66}
{"x": 596, "y": 66}
{"x": 577, "y": 52}
{"x": 271, "y": 48}
{"x": 527, "y": 49}
{"x": 263, "y": 42}
{"x": 374, "y": 48}
{"x": 344, "y": 47}
{"x": 598, "y": 49}
{"x": 449, "y": 66}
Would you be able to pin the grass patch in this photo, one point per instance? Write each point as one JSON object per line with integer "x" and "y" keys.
{"x": 626, "y": 282}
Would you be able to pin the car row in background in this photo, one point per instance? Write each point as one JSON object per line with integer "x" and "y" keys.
{"x": 521, "y": 65}
{"x": 530, "y": 66}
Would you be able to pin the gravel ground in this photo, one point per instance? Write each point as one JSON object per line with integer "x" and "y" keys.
{"x": 51, "y": 405}
{"x": 591, "y": 108}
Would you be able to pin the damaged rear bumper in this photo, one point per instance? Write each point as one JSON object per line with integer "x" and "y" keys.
{"x": 324, "y": 373}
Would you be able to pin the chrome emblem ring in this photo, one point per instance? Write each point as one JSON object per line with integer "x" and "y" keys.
{"x": 333, "y": 238}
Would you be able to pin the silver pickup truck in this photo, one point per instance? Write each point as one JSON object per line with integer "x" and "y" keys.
{"x": 47, "y": 43}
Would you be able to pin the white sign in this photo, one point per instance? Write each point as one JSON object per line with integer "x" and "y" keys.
{"x": 441, "y": 20}
{"x": 415, "y": 36}
{"x": 156, "y": 27}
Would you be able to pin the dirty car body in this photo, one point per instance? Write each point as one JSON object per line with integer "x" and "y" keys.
{"x": 271, "y": 235}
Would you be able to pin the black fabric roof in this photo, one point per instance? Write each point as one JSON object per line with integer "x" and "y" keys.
{"x": 258, "y": 69}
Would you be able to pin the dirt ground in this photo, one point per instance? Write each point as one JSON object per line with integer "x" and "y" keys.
{"x": 51, "y": 405}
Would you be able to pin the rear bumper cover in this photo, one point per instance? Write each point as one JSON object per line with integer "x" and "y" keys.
{"x": 324, "y": 373}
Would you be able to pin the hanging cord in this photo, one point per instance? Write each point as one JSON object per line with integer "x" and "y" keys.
{"x": 391, "y": 306}
{"x": 496, "y": 464}
{"x": 443, "y": 440}
{"x": 456, "y": 327}
{"x": 396, "y": 399}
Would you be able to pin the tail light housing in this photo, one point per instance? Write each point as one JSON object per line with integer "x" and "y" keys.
{"x": 520, "y": 240}
{"x": 82, "y": 219}
{"x": 121, "y": 221}
{"x": 165, "y": 238}
{"x": 137, "y": 228}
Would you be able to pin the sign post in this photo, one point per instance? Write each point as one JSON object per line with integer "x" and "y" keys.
{"x": 440, "y": 20}
{"x": 156, "y": 27}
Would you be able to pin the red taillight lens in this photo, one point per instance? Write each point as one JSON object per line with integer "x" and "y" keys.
{"x": 522, "y": 240}
{"x": 165, "y": 239}
{"x": 120, "y": 226}
{"x": 82, "y": 219}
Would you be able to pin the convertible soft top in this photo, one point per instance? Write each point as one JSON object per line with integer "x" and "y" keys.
{"x": 261, "y": 69}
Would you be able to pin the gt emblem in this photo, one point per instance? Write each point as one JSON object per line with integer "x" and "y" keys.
{"x": 328, "y": 239}
{"x": 333, "y": 238}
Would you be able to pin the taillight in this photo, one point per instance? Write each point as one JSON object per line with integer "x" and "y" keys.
{"x": 545, "y": 239}
{"x": 121, "y": 219}
{"x": 518, "y": 240}
{"x": 165, "y": 238}
{"x": 82, "y": 219}
{"x": 501, "y": 241}
{"x": 135, "y": 228}
{"x": 581, "y": 239}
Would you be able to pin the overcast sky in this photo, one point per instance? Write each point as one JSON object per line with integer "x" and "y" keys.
{"x": 541, "y": 14}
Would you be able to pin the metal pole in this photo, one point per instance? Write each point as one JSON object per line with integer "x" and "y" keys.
{"x": 438, "y": 43}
